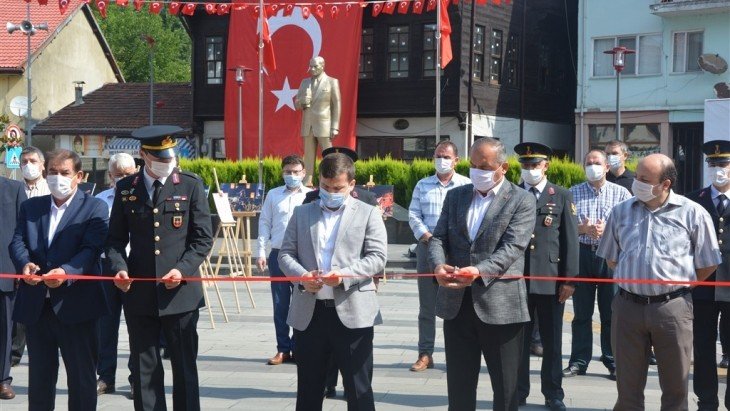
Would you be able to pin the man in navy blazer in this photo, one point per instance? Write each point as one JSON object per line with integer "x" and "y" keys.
{"x": 60, "y": 234}
{"x": 12, "y": 195}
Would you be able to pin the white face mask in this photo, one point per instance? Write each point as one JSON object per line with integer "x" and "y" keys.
{"x": 59, "y": 186}
{"x": 643, "y": 191}
{"x": 595, "y": 172}
{"x": 162, "y": 170}
{"x": 719, "y": 176}
{"x": 31, "y": 171}
{"x": 483, "y": 180}
{"x": 614, "y": 161}
{"x": 531, "y": 177}
{"x": 443, "y": 165}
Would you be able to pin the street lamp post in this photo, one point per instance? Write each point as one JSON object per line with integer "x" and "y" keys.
{"x": 28, "y": 29}
{"x": 619, "y": 62}
{"x": 240, "y": 79}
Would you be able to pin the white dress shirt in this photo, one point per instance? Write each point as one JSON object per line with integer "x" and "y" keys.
{"x": 716, "y": 193}
{"x": 540, "y": 187}
{"x": 328, "y": 226}
{"x": 478, "y": 209}
{"x": 56, "y": 216}
{"x": 40, "y": 188}
{"x": 275, "y": 214}
{"x": 149, "y": 183}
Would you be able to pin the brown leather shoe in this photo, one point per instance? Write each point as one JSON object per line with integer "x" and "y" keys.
{"x": 424, "y": 361}
{"x": 279, "y": 358}
{"x": 6, "y": 391}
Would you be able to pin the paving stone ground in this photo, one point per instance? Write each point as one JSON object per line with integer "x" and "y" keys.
{"x": 234, "y": 375}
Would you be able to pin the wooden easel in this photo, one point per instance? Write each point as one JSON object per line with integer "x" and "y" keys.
{"x": 229, "y": 250}
{"x": 206, "y": 271}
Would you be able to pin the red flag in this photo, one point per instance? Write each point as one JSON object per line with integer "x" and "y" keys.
{"x": 389, "y": 7}
{"x": 269, "y": 58}
{"x": 122, "y": 3}
{"x": 306, "y": 12}
{"x": 62, "y": 5}
{"x": 334, "y": 11}
{"x": 42, "y": 2}
{"x": 101, "y": 5}
{"x": 417, "y": 7}
{"x": 481, "y": 2}
{"x": 288, "y": 10}
{"x": 377, "y": 8}
{"x": 271, "y": 10}
{"x": 319, "y": 11}
{"x": 138, "y": 4}
{"x": 173, "y": 8}
{"x": 188, "y": 9}
{"x": 155, "y": 7}
{"x": 431, "y": 5}
{"x": 210, "y": 8}
{"x": 223, "y": 9}
{"x": 446, "y": 54}
{"x": 403, "y": 7}
{"x": 297, "y": 40}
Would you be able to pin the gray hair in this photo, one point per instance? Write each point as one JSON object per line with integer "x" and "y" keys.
{"x": 33, "y": 150}
{"x": 491, "y": 142}
{"x": 121, "y": 161}
{"x": 318, "y": 60}
{"x": 599, "y": 152}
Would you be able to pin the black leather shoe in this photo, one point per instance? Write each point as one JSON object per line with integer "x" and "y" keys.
{"x": 330, "y": 392}
{"x": 103, "y": 388}
{"x": 555, "y": 405}
{"x": 652, "y": 359}
{"x": 572, "y": 371}
{"x": 612, "y": 375}
{"x": 724, "y": 361}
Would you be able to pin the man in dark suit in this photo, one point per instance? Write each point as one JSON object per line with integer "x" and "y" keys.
{"x": 553, "y": 252}
{"x": 709, "y": 302}
{"x": 12, "y": 195}
{"x": 366, "y": 197}
{"x": 58, "y": 234}
{"x": 482, "y": 235}
{"x": 163, "y": 214}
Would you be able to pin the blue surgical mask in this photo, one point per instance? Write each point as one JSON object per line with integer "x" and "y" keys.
{"x": 332, "y": 200}
{"x": 292, "y": 181}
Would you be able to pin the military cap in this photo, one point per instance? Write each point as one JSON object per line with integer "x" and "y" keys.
{"x": 717, "y": 151}
{"x": 531, "y": 153}
{"x": 158, "y": 140}
{"x": 343, "y": 150}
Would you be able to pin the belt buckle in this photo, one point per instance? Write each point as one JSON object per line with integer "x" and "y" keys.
{"x": 646, "y": 300}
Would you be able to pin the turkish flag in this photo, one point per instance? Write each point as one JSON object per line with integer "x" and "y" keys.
{"x": 446, "y": 54}
{"x": 296, "y": 40}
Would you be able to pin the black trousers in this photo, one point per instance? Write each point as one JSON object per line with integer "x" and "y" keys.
{"x": 181, "y": 336}
{"x": 353, "y": 352}
{"x": 466, "y": 338}
{"x": 18, "y": 341}
{"x": 109, "y": 336}
{"x": 78, "y": 346}
{"x": 6, "y": 331}
{"x": 549, "y": 314}
{"x": 704, "y": 377}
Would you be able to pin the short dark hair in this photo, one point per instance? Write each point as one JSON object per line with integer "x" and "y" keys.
{"x": 292, "y": 160}
{"x": 669, "y": 172}
{"x": 448, "y": 143}
{"x": 61, "y": 154}
{"x": 597, "y": 151}
{"x": 620, "y": 144}
{"x": 334, "y": 164}
{"x": 33, "y": 150}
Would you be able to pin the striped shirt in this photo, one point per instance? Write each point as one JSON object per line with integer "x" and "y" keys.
{"x": 669, "y": 243}
{"x": 592, "y": 204}
{"x": 427, "y": 201}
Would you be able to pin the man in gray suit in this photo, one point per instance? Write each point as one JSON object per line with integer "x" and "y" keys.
{"x": 335, "y": 245}
{"x": 319, "y": 99}
{"x": 481, "y": 236}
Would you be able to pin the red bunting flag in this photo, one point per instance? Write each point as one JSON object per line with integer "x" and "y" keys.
{"x": 101, "y": 5}
{"x": 173, "y": 8}
{"x": 138, "y": 4}
{"x": 223, "y": 9}
{"x": 482, "y": 2}
{"x": 288, "y": 10}
{"x": 271, "y": 10}
{"x": 42, "y": 2}
{"x": 334, "y": 11}
{"x": 210, "y": 8}
{"x": 319, "y": 11}
{"x": 377, "y": 8}
{"x": 269, "y": 58}
{"x": 417, "y": 7}
{"x": 306, "y": 12}
{"x": 431, "y": 5}
{"x": 403, "y": 7}
{"x": 122, "y": 3}
{"x": 446, "y": 54}
{"x": 155, "y": 7}
{"x": 389, "y": 7}
{"x": 62, "y": 6}
{"x": 188, "y": 9}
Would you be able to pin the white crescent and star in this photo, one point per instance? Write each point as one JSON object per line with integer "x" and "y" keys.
{"x": 285, "y": 95}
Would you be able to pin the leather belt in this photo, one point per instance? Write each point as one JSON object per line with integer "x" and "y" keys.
{"x": 653, "y": 299}
{"x": 326, "y": 303}
{"x": 590, "y": 246}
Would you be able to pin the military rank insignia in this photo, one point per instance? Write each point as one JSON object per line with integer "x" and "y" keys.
{"x": 548, "y": 221}
{"x": 177, "y": 221}
{"x": 573, "y": 209}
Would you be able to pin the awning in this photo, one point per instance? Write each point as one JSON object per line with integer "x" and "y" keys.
{"x": 184, "y": 148}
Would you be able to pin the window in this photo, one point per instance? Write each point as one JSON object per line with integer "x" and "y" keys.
{"x": 513, "y": 56}
{"x": 398, "y": 48}
{"x": 214, "y": 59}
{"x": 687, "y": 50}
{"x": 648, "y": 49}
{"x": 543, "y": 68}
{"x": 366, "y": 54}
{"x": 495, "y": 51}
{"x": 429, "y": 50}
{"x": 479, "y": 32}
{"x": 642, "y": 139}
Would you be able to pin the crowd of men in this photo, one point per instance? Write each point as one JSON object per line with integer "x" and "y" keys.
{"x": 505, "y": 258}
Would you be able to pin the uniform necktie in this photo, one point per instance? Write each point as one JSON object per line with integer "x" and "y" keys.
{"x": 534, "y": 192}
{"x": 721, "y": 204}
{"x": 156, "y": 194}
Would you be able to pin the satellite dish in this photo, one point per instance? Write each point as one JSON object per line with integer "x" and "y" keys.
{"x": 713, "y": 63}
{"x": 722, "y": 90}
{"x": 19, "y": 106}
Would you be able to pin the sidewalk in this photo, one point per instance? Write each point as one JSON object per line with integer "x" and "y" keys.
{"x": 234, "y": 375}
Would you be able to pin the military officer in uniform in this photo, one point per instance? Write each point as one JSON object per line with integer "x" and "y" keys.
{"x": 163, "y": 214}
{"x": 710, "y": 301}
{"x": 552, "y": 252}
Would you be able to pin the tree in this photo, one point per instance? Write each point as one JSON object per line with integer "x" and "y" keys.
{"x": 125, "y": 30}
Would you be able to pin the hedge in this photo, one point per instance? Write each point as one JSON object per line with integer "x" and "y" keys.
{"x": 402, "y": 175}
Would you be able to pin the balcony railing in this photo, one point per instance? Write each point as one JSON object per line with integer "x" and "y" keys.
{"x": 670, "y": 8}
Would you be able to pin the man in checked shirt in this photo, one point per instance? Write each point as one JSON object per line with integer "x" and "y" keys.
{"x": 423, "y": 214}
{"x": 594, "y": 201}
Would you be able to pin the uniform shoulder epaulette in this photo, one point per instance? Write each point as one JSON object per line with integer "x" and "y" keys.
{"x": 191, "y": 174}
